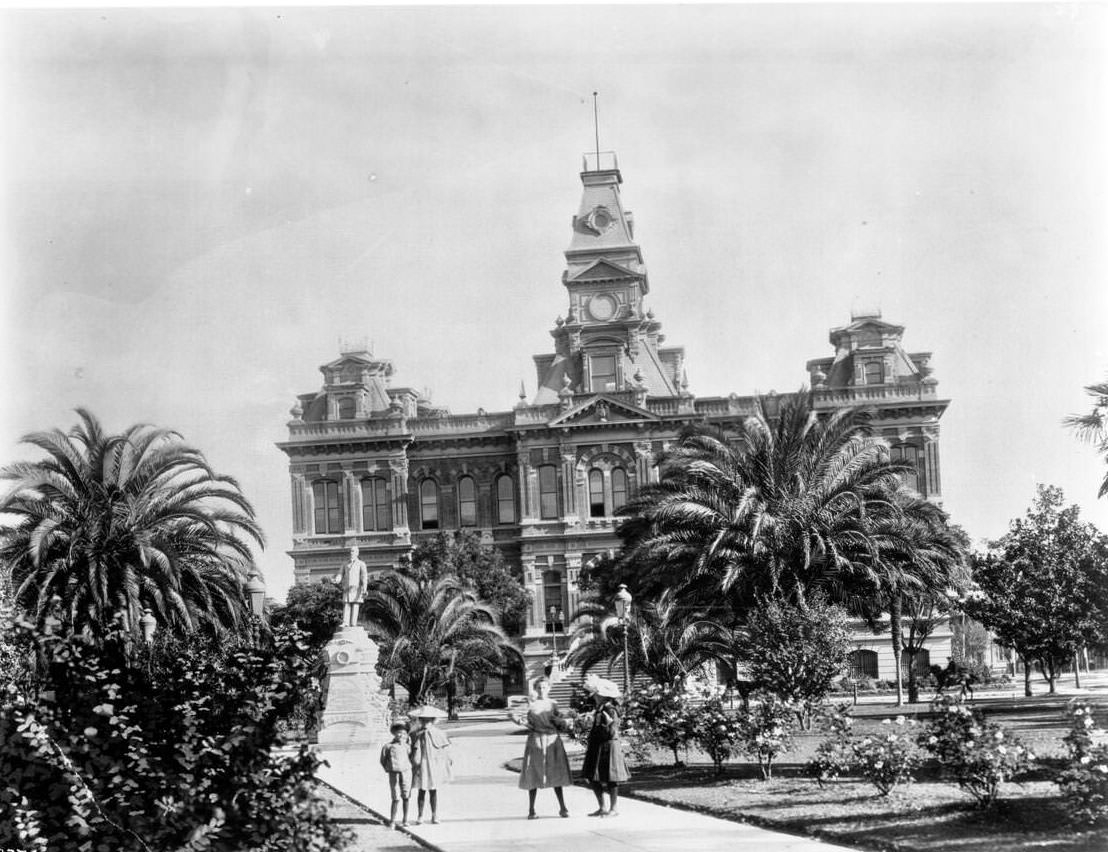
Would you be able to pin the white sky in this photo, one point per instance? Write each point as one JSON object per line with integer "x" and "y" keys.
{"x": 199, "y": 204}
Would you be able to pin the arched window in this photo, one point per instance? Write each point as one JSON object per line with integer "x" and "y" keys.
{"x": 346, "y": 408}
{"x": 619, "y": 489}
{"x": 429, "y": 505}
{"x": 467, "y": 502}
{"x": 328, "y": 506}
{"x": 548, "y": 492}
{"x": 874, "y": 373}
{"x": 596, "y": 494}
{"x": 909, "y": 455}
{"x": 602, "y": 372}
{"x": 862, "y": 664}
{"x": 922, "y": 662}
{"x": 505, "y": 500}
{"x": 375, "y": 505}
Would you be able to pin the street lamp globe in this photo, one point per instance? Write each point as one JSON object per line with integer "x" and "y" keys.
{"x": 255, "y": 587}
{"x": 148, "y": 625}
{"x": 623, "y": 602}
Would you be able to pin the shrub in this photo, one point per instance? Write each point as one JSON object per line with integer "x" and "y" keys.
{"x": 660, "y": 716}
{"x": 718, "y": 732}
{"x": 490, "y": 702}
{"x": 835, "y": 754}
{"x": 888, "y": 760}
{"x": 160, "y": 748}
{"x": 1084, "y": 780}
{"x": 979, "y": 754}
{"x": 766, "y": 729}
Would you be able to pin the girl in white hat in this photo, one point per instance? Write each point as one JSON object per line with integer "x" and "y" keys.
{"x": 604, "y": 765}
{"x": 431, "y": 761}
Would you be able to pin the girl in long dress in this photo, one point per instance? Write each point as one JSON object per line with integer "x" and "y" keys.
{"x": 432, "y": 765}
{"x": 545, "y": 763}
{"x": 604, "y": 766}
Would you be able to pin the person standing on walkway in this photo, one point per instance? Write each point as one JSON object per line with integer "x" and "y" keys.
{"x": 431, "y": 761}
{"x": 397, "y": 762}
{"x": 604, "y": 765}
{"x": 545, "y": 763}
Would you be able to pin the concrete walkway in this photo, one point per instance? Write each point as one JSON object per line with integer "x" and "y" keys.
{"x": 484, "y": 811}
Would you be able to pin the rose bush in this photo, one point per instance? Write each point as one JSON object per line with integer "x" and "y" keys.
{"x": 1084, "y": 780}
{"x": 888, "y": 760}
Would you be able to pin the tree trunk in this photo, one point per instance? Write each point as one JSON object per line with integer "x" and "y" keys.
{"x": 913, "y": 678}
{"x": 1026, "y": 677}
{"x": 1076, "y": 671}
{"x": 898, "y": 644}
{"x": 1047, "y": 666}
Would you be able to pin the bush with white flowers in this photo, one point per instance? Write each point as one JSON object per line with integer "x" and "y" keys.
{"x": 980, "y": 755}
{"x": 1084, "y": 780}
{"x": 890, "y": 758}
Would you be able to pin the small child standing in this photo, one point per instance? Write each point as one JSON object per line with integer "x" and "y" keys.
{"x": 431, "y": 761}
{"x": 396, "y": 761}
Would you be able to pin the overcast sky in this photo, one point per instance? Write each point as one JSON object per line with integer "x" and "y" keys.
{"x": 198, "y": 205}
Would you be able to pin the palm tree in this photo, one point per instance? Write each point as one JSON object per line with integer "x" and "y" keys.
{"x": 1094, "y": 425}
{"x": 433, "y": 631}
{"x": 779, "y": 506}
{"x": 663, "y": 642}
{"x": 108, "y": 525}
{"x": 918, "y": 556}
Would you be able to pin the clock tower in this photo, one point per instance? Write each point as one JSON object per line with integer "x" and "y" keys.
{"x": 608, "y": 342}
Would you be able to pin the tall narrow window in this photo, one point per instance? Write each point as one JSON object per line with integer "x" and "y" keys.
{"x": 909, "y": 455}
{"x": 602, "y": 371}
{"x": 874, "y": 373}
{"x": 596, "y": 494}
{"x": 429, "y": 505}
{"x": 467, "y": 502}
{"x": 505, "y": 500}
{"x": 548, "y": 492}
{"x": 553, "y": 601}
{"x": 619, "y": 489}
{"x": 375, "y": 505}
{"x": 328, "y": 506}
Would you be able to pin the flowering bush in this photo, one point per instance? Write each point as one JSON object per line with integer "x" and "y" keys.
{"x": 718, "y": 732}
{"x": 660, "y": 716}
{"x": 889, "y": 759}
{"x": 1084, "y": 781}
{"x": 835, "y": 755}
{"x": 980, "y": 754}
{"x": 766, "y": 730}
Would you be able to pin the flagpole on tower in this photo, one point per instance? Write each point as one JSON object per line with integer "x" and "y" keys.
{"x": 596, "y": 128}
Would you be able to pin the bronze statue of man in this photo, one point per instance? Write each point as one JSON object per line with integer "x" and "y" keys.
{"x": 353, "y": 579}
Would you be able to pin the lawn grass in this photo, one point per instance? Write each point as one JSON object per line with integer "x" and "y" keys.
{"x": 929, "y": 815}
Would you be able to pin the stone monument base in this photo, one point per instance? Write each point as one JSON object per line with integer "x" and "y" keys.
{"x": 355, "y": 710}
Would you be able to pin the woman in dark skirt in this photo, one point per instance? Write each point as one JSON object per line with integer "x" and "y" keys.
{"x": 604, "y": 766}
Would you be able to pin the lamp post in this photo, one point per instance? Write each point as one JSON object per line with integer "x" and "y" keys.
{"x": 255, "y": 587}
{"x": 148, "y": 624}
{"x": 623, "y": 610}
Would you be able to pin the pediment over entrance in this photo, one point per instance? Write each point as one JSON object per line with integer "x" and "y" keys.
{"x": 602, "y": 409}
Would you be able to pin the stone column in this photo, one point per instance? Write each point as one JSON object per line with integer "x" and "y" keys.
{"x": 573, "y": 593}
{"x": 398, "y": 469}
{"x": 355, "y": 710}
{"x": 931, "y": 463}
{"x": 532, "y": 579}
{"x": 569, "y": 482}
{"x": 644, "y": 458}
{"x": 300, "y": 524}
{"x": 528, "y": 485}
{"x": 352, "y": 502}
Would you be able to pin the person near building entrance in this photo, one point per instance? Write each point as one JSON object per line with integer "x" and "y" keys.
{"x": 604, "y": 766}
{"x": 545, "y": 763}
{"x": 353, "y": 579}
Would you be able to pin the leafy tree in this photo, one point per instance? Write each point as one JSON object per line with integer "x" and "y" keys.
{"x": 172, "y": 746}
{"x": 1093, "y": 427}
{"x": 114, "y": 524}
{"x": 432, "y": 632}
{"x": 664, "y": 642}
{"x": 315, "y": 608}
{"x": 1044, "y": 586}
{"x": 797, "y": 650}
{"x": 478, "y": 566}
{"x": 772, "y": 510}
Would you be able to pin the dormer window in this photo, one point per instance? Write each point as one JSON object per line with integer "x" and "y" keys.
{"x": 346, "y": 408}
{"x": 873, "y": 373}
{"x": 602, "y": 373}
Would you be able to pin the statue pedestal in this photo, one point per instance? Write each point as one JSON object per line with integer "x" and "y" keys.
{"x": 355, "y": 710}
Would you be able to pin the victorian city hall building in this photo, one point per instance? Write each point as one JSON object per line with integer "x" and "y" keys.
{"x": 382, "y": 468}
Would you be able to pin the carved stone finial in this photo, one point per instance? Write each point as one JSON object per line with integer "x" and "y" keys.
{"x": 650, "y": 314}
{"x": 559, "y": 321}
{"x": 640, "y": 380}
{"x": 819, "y": 379}
{"x": 296, "y": 411}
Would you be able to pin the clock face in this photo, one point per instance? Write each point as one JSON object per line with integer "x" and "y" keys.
{"x": 601, "y": 219}
{"x": 602, "y": 307}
